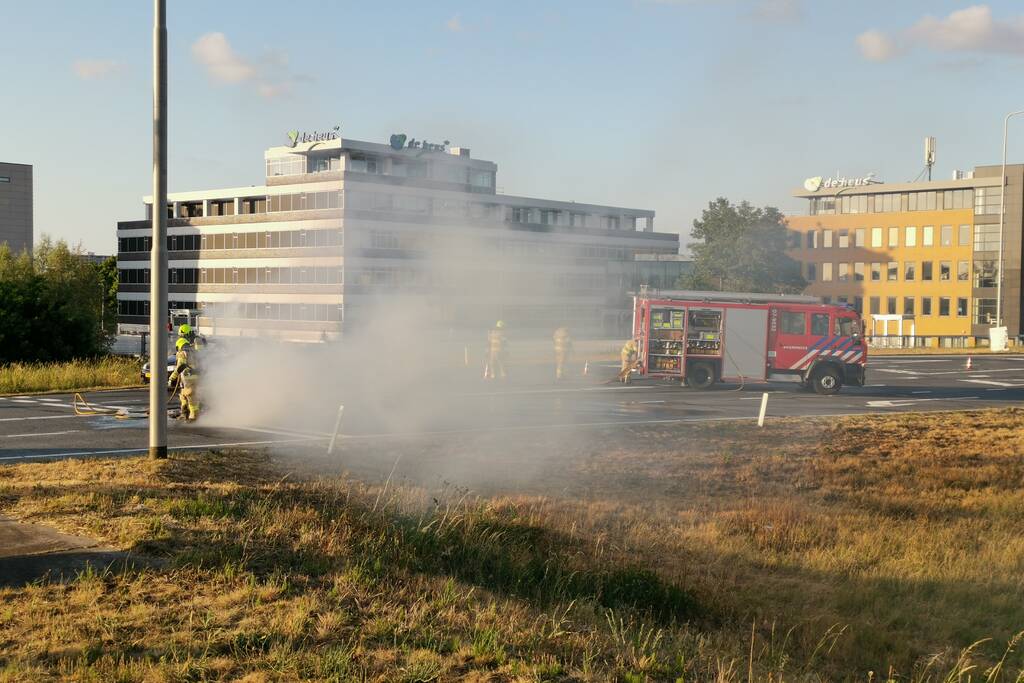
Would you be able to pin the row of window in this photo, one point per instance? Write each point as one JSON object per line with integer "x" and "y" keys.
{"x": 266, "y": 239}
{"x": 417, "y": 204}
{"x": 310, "y": 275}
{"x": 984, "y": 200}
{"x": 984, "y": 309}
{"x": 297, "y": 164}
{"x": 245, "y": 311}
{"x": 985, "y": 272}
{"x": 879, "y": 237}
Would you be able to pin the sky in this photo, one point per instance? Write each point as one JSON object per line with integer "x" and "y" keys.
{"x": 653, "y": 104}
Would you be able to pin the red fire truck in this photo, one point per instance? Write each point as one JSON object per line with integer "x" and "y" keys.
{"x": 706, "y": 337}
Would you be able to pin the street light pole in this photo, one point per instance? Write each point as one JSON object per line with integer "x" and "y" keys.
{"x": 158, "y": 256}
{"x": 1002, "y": 211}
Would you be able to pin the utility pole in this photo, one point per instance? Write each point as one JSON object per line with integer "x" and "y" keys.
{"x": 158, "y": 256}
{"x": 1002, "y": 211}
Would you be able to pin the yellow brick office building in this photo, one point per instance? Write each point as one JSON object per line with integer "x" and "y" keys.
{"x": 919, "y": 260}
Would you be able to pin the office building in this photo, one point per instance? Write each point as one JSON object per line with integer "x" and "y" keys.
{"x": 919, "y": 260}
{"x": 16, "y": 206}
{"x": 341, "y": 228}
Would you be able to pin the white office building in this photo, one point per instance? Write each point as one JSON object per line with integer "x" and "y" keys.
{"x": 343, "y": 226}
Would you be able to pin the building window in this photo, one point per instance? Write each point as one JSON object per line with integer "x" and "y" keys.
{"x": 910, "y": 236}
{"x": 826, "y": 239}
{"x": 928, "y": 236}
{"x": 875, "y": 305}
{"x": 908, "y": 305}
{"x": 858, "y": 272}
{"x": 961, "y": 307}
{"x": 858, "y": 237}
{"x": 858, "y": 304}
{"x": 963, "y": 271}
{"x": 890, "y": 305}
{"x": 811, "y": 272}
{"x": 945, "y": 268}
{"x": 986, "y": 237}
{"x": 826, "y": 272}
{"x": 876, "y": 272}
{"x": 876, "y": 238}
{"x": 894, "y": 237}
{"x": 844, "y": 272}
{"x": 892, "y": 271}
{"x": 987, "y": 200}
{"x": 958, "y": 199}
{"x": 926, "y": 271}
{"x": 909, "y": 271}
{"x": 984, "y": 311}
{"x": 926, "y": 305}
{"x": 812, "y": 239}
{"x": 844, "y": 239}
{"x": 946, "y": 236}
{"x": 944, "y": 306}
{"x": 964, "y": 237}
{"x": 984, "y": 274}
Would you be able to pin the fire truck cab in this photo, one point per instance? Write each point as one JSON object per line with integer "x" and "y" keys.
{"x": 702, "y": 338}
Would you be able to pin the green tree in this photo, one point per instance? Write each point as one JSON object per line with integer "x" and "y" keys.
{"x": 107, "y": 273}
{"x": 49, "y": 305}
{"x": 742, "y": 248}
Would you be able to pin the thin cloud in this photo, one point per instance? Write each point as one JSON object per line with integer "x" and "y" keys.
{"x": 95, "y": 69}
{"x": 779, "y": 11}
{"x": 876, "y": 46}
{"x": 226, "y": 66}
{"x": 455, "y": 25}
{"x": 971, "y": 30}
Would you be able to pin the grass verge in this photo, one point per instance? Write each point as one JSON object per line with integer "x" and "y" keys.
{"x": 809, "y": 550}
{"x": 77, "y": 375}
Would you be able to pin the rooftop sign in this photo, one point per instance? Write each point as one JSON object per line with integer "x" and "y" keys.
{"x": 402, "y": 141}
{"x": 816, "y": 183}
{"x": 295, "y": 136}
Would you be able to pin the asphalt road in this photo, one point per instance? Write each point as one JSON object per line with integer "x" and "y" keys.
{"x": 45, "y": 427}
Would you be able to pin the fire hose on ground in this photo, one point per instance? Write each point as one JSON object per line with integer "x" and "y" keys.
{"x": 83, "y": 408}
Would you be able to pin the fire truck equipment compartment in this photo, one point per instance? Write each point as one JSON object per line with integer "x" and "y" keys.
{"x": 747, "y": 343}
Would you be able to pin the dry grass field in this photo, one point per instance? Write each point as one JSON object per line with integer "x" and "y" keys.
{"x": 77, "y": 375}
{"x": 868, "y": 548}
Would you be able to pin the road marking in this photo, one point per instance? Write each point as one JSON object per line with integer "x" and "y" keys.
{"x": 38, "y": 417}
{"x": 902, "y": 403}
{"x": 24, "y": 400}
{"x": 920, "y": 392}
{"x": 994, "y": 383}
{"x": 15, "y": 436}
{"x": 902, "y": 362}
{"x": 553, "y": 391}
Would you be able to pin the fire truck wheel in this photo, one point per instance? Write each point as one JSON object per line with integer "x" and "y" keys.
{"x": 826, "y": 381}
{"x": 700, "y": 375}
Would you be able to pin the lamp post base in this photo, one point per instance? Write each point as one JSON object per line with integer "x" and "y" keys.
{"x": 158, "y": 452}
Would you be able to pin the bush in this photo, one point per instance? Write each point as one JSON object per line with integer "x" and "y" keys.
{"x": 50, "y": 305}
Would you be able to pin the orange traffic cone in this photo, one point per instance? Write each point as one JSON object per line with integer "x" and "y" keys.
{"x": 969, "y": 363}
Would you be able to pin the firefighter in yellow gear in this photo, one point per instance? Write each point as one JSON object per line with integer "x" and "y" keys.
{"x": 563, "y": 346}
{"x": 628, "y": 356}
{"x": 186, "y": 371}
{"x": 497, "y": 351}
